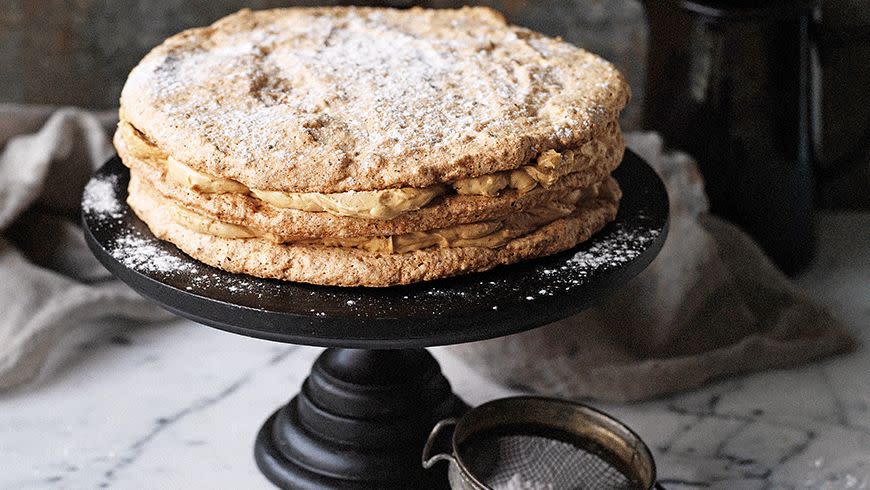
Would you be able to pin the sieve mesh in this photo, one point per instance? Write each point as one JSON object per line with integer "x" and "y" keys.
{"x": 533, "y": 462}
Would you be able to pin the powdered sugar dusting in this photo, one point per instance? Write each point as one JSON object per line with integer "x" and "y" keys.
{"x": 517, "y": 482}
{"x": 99, "y": 197}
{"x": 366, "y": 92}
{"x": 616, "y": 249}
{"x": 145, "y": 254}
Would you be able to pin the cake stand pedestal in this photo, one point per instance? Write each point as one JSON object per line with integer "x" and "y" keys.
{"x": 362, "y": 416}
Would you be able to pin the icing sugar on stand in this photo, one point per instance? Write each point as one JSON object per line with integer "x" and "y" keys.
{"x": 362, "y": 417}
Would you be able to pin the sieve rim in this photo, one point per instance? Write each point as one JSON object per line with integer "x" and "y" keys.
{"x": 564, "y": 417}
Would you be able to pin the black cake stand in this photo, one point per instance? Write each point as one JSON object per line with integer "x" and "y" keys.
{"x": 363, "y": 413}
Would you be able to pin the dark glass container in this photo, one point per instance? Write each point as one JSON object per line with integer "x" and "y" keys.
{"x": 730, "y": 83}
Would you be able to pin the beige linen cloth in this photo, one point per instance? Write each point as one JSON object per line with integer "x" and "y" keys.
{"x": 50, "y": 283}
{"x": 711, "y": 304}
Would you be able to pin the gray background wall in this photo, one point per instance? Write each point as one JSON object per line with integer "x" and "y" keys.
{"x": 79, "y": 52}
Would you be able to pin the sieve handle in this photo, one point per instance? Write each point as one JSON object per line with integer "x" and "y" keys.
{"x": 429, "y": 461}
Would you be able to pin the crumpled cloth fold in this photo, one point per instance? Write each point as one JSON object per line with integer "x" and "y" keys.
{"x": 50, "y": 283}
{"x": 710, "y": 305}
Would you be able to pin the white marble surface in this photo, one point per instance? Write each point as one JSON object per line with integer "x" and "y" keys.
{"x": 177, "y": 406}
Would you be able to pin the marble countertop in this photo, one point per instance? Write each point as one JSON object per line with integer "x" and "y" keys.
{"x": 177, "y": 406}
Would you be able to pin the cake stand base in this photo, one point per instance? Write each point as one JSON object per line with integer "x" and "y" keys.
{"x": 360, "y": 421}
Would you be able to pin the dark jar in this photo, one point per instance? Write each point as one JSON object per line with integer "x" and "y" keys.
{"x": 730, "y": 83}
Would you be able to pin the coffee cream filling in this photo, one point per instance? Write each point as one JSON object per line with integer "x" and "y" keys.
{"x": 486, "y": 234}
{"x": 548, "y": 168}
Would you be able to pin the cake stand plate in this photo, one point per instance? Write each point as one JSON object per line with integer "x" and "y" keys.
{"x": 362, "y": 415}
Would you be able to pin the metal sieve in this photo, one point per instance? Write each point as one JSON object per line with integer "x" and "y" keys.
{"x": 532, "y": 443}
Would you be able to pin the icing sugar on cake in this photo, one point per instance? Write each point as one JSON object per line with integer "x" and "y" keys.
{"x": 372, "y": 98}
{"x": 147, "y": 255}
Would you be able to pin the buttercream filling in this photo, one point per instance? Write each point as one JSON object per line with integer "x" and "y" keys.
{"x": 548, "y": 168}
{"x": 383, "y": 204}
{"x": 486, "y": 234}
